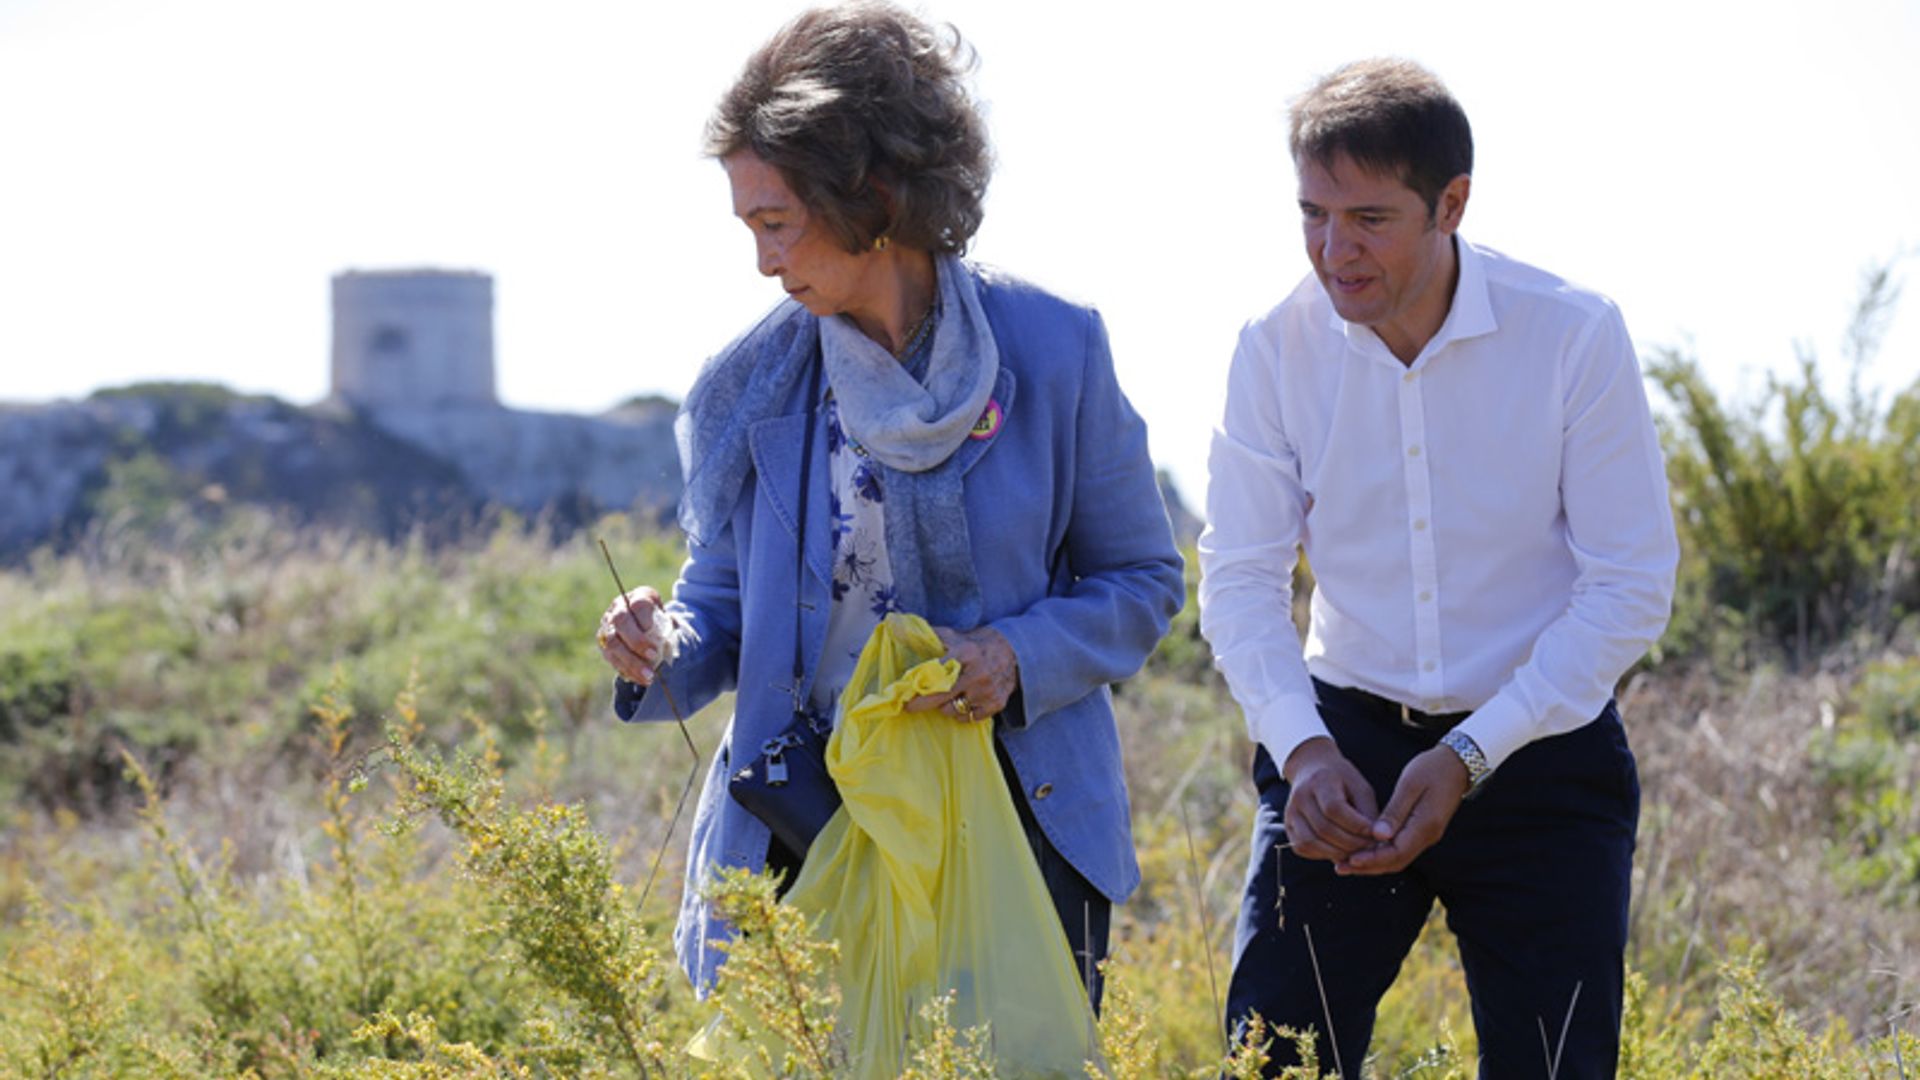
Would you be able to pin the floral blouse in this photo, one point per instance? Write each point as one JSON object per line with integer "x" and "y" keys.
{"x": 863, "y": 591}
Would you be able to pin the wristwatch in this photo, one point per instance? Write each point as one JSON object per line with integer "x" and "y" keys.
{"x": 1469, "y": 753}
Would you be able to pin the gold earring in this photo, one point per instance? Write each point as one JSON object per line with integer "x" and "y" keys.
{"x": 881, "y": 243}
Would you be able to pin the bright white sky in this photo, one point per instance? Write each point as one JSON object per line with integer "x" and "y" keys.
{"x": 179, "y": 178}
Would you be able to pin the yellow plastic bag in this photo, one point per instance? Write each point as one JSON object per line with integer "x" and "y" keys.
{"x": 925, "y": 878}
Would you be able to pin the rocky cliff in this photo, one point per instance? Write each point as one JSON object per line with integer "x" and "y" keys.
{"x": 136, "y": 450}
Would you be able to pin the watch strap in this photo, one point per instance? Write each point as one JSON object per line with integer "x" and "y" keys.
{"x": 1470, "y": 755}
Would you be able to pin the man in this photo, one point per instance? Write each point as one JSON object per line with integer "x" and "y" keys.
{"x": 1461, "y": 445}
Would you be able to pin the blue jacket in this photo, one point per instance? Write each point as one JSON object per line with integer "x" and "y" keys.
{"x": 1077, "y": 568}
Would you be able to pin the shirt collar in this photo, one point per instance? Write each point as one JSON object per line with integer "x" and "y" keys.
{"x": 1469, "y": 316}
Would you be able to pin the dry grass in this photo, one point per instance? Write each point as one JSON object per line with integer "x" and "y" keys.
{"x": 1738, "y": 851}
{"x": 1743, "y": 837}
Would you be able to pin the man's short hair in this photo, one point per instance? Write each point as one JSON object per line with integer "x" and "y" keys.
{"x": 1391, "y": 117}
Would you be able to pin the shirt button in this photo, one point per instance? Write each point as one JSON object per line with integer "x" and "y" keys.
{"x": 1419, "y": 524}
{"x": 1426, "y": 595}
{"x": 1043, "y": 791}
{"x": 1408, "y": 377}
{"x": 1413, "y": 451}
{"x": 1428, "y": 666}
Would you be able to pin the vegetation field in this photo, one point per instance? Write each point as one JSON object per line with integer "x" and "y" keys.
{"x": 292, "y": 803}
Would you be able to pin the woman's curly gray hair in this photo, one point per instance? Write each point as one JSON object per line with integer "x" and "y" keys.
{"x": 864, "y": 110}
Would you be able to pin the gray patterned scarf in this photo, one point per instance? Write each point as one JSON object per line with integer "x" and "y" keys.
{"x": 898, "y": 419}
{"x": 909, "y": 425}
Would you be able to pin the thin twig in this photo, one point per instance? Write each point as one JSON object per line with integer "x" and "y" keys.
{"x": 678, "y": 807}
{"x": 28, "y": 983}
{"x": 1554, "y": 1053}
{"x": 1086, "y": 945}
{"x": 1899, "y": 1062}
{"x": 1206, "y": 943}
{"x": 1179, "y": 789}
{"x": 1326, "y": 1010}
{"x": 1088, "y": 971}
{"x": 685, "y": 735}
{"x": 819, "y": 1052}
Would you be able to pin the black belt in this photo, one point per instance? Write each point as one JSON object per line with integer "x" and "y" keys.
{"x": 1386, "y": 709}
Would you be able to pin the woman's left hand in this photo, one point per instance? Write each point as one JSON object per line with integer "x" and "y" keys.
{"x": 989, "y": 674}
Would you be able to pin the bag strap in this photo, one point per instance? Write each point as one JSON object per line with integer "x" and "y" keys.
{"x": 800, "y": 547}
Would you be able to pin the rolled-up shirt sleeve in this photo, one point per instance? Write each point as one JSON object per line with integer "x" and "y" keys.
{"x": 1256, "y": 509}
{"x": 1620, "y": 531}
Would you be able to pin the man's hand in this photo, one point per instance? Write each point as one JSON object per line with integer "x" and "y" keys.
{"x": 1423, "y": 802}
{"x": 989, "y": 674}
{"x": 1330, "y": 808}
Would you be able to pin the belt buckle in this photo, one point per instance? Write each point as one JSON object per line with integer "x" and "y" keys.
{"x": 1420, "y": 721}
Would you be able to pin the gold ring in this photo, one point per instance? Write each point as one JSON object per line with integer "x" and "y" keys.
{"x": 604, "y": 634}
{"x": 963, "y": 706}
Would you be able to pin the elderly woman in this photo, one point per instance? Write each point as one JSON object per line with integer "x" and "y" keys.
{"x": 976, "y": 464}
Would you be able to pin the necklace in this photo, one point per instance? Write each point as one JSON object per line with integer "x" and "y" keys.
{"x": 919, "y": 330}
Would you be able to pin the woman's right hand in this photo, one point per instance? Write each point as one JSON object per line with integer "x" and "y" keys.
{"x": 633, "y": 635}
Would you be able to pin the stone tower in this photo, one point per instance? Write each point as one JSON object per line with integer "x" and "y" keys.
{"x": 413, "y": 339}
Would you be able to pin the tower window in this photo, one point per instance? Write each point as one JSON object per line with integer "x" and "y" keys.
{"x": 389, "y": 340}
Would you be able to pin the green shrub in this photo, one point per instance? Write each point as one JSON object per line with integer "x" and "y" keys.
{"x": 37, "y": 683}
{"x": 340, "y": 938}
{"x": 217, "y": 650}
{"x": 1871, "y": 781}
{"x": 1888, "y": 696}
{"x": 547, "y": 876}
{"x": 1798, "y": 516}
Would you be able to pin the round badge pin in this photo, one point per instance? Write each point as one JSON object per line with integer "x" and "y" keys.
{"x": 989, "y": 422}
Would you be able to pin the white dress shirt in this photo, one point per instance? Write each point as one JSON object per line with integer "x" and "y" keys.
{"x": 1488, "y": 527}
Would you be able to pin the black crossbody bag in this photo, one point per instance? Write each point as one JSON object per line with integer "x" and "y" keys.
{"x": 786, "y": 785}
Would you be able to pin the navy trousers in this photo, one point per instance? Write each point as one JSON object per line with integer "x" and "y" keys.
{"x": 1534, "y": 873}
{"x": 1084, "y": 913}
